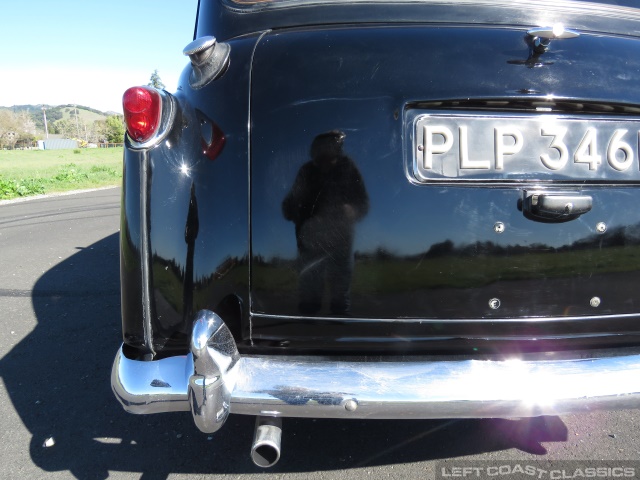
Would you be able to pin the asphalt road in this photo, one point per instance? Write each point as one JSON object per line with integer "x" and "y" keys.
{"x": 60, "y": 329}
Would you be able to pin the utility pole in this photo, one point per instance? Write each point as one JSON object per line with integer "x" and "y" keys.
{"x": 77, "y": 126}
{"x": 44, "y": 114}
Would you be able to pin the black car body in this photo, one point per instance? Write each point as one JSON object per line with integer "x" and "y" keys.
{"x": 384, "y": 209}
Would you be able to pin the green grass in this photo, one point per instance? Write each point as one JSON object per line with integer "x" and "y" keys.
{"x": 33, "y": 172}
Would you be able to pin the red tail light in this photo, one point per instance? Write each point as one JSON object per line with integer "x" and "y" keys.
{"x": 142, "y": 112}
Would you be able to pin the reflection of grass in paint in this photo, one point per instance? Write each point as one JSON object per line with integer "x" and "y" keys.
{"x": 169, "y": 285}
{"x": 397, "y": 275}
{"x": 209, "y": 294}
{"x": 469, "y": 272}
{"x": 283, "y": 278}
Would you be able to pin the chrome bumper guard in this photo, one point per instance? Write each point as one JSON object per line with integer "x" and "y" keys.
{"x": 214, "y": 380}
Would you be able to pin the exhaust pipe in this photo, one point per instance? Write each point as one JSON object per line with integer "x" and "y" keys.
{"x": 265, "y": 451}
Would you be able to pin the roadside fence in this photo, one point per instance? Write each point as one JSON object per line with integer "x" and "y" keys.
{"x": 110, "y": 145}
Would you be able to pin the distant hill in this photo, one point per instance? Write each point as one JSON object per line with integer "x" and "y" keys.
{"x": 86, "y": 115}
{"x": 38, "y": 108}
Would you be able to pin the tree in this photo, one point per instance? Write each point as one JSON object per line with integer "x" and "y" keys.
{"x": 114, "y": 129}
{"x": 12, "y": 127}
{"x": 154, "y": 80}
{"x": 64, "y": 127}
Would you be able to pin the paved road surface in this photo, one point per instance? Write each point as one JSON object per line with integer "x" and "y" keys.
{"x": 59, "y": 307}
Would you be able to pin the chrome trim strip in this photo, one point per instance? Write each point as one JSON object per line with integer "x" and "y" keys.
{"x": 250, "y": 166}
{"x": 566, "y": 7}
{"x": 323, "y": 387}
{"x": 145, "y": 251}
{"x": 422, "y": 321}
{"x": 555, "y": 32}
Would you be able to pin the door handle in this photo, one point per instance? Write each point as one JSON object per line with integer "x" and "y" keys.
{"x": 555, "y": 207}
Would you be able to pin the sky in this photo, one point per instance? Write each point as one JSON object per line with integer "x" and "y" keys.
{"x": 87, "y": 52}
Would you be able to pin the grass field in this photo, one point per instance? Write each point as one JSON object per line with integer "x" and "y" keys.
{"x": 33, "y": 172}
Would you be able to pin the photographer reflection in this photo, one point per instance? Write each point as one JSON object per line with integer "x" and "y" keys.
{"x": 326, "y": 200}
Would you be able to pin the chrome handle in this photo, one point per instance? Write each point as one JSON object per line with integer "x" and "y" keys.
{"x": 555, "y": 207}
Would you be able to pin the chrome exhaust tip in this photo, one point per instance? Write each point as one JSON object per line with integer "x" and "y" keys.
{"x": 265, "y": 451}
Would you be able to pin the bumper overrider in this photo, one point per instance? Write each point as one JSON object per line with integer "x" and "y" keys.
{"x": 214, "y": 380}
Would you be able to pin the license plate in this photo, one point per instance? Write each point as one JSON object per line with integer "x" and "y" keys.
{"x": 468, "y": 147}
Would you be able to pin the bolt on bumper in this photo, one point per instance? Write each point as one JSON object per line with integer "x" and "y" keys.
{"x": 215, "y": 380}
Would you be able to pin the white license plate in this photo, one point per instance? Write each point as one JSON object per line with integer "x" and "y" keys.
{"x": 519, "y": 148}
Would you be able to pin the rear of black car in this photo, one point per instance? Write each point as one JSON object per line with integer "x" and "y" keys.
{"x": 419, "y": 209}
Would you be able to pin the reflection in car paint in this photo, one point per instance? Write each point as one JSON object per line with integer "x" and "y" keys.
{"x": 326, "y": 200}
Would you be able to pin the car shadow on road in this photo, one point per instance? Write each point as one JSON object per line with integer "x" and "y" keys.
{"x": 58, "y": 381}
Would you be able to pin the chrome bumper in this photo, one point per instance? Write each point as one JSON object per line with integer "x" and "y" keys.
{"x": 322, "y": 387}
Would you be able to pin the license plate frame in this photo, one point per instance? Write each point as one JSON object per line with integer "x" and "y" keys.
{"x": 461, "y": 147}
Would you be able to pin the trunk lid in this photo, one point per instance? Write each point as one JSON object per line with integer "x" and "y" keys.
{"x": 348, "y": 221}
